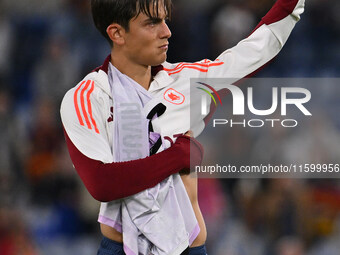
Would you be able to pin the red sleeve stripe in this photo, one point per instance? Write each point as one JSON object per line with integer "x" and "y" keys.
{"x": 189, "y": 67}
{"x": 205, "y": 61}
{"x": 90, "y": 107}
{"x": 75, "y": 99}
{"x": 82, "y": 101}
{"x": 195, "y": 66}
{"x": 86, "y": 88}
{"x": 183, "y": 65}
{"x": 178, "y": 66}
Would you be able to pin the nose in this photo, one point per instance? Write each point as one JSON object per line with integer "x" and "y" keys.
{"x": 165, "y": 31}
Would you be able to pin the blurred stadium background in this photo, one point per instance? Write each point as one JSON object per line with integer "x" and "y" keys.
{"x": 46, "y": 47}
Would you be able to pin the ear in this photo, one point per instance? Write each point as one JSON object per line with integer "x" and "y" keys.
{"x": 116, "y": 33}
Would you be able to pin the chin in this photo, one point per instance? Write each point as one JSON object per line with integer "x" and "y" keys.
{"x": 161, "y": 61}
{"x": 157, "y": 63}
{"x": 158, "y": 60}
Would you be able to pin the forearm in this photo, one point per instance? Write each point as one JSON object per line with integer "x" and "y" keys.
{"x": 107, "y": 182}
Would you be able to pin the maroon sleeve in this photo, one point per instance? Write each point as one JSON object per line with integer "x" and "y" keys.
{"x": 108, "y": 182}
{"x": 280, "y": 10}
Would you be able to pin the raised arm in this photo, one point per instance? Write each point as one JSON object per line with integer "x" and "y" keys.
{"x": 264, "y": 43}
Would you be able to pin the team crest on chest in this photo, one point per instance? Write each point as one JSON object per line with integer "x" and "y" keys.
{"x": 174, "y": 97}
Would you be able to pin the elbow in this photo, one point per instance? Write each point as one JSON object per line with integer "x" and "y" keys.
{"x": 101, "y": 194}
{"x": 101, "y": 197}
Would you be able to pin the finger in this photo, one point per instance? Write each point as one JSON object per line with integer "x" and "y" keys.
{"x": 189, "y": 133}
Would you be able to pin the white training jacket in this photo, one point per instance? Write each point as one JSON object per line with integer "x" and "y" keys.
{"x": 85, "y": 109}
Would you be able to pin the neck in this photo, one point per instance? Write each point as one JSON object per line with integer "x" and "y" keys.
{"x": 139, "y": 73}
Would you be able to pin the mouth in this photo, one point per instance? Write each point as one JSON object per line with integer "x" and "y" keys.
{"x": 164, "y": 46}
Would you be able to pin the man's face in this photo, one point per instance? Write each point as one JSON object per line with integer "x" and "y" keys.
{"x": 146, "y": 42}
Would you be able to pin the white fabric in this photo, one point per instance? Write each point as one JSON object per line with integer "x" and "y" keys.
{"x": 156, "y": 208}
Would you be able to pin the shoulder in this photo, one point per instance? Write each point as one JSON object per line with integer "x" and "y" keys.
{"x": 83, "y": 101}
{"x": 85, "y": 90}
{"x": 94, "y": 85}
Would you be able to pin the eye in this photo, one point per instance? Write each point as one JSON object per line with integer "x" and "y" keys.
{"x": 153, "y": 22}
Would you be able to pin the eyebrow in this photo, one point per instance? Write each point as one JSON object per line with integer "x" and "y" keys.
{"x": 153, "y": 19}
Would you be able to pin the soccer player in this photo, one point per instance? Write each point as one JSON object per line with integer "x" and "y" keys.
{"x": 126, "y": 124}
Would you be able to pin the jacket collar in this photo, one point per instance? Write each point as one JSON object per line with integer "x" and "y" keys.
{"x": 161, "y": 77}
{"x": 105, "y": 67}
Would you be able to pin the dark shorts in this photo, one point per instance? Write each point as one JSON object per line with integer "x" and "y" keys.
{"x": 110, "y": 247}
{"x": 199, "y": 250}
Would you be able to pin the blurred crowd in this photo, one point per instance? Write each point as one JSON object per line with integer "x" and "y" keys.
{"x": 46, "y": 47}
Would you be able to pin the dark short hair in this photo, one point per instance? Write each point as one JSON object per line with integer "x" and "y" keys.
{"x": 106, "y": 12}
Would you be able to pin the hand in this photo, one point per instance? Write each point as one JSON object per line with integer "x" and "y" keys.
{"x": 187, "y": 170}
{"x": 189, "y": 133}
{"x": 196, "y": 157}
